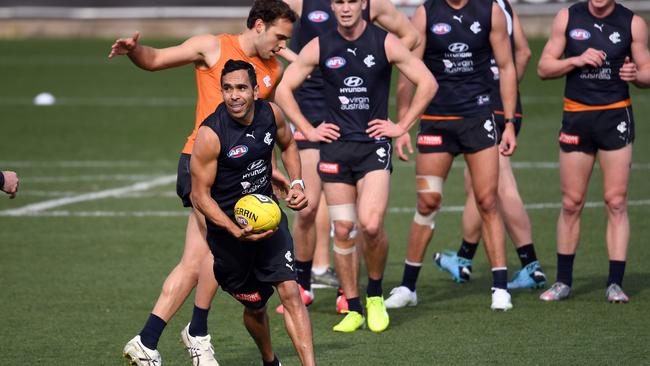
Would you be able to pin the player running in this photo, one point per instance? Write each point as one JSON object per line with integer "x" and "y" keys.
{"x": 600, "y": 46}
{"x": 269, "y": 25}
{"x": 460, "y": 38}
{"x": 355, "y": 61}
{"x": 234, "y": 145}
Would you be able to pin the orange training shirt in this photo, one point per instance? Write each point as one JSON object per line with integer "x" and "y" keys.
{"x": 208, "y": 85}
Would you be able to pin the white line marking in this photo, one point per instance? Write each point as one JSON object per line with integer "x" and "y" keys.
{"x": 184, "y": 213}
{"x": 92, "y": 196}
{"x": 89, "y": 178}
{"x": 105, "y": 101}
{"x": 87, "y": 163}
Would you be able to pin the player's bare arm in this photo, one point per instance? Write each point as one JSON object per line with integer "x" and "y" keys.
{"x": 522, "y": 50}
{"x": 637, "y": 70}
{"x": 425, "y": 88}
{"x": 202, "y": 50}
{"x": 386, "y": 15}
{"x": 500, "y": 42}
{"x": 294, "y": 76}
{"x": 405, "y": 87}
{"x": 296, "y": 199}
{"x": 551, "y": 64}
{"x": 203, "y": 167}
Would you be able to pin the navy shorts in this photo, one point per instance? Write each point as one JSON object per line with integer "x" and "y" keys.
{"x": 349, "y": 161}
{"x": 590, "y": 131}
{"x": 184, "y": 180}
{"x": 248, "y": 270}
{"x": 457, "y": 136}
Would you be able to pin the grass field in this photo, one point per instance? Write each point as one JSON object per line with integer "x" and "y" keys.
{"x": 78, "y": 276}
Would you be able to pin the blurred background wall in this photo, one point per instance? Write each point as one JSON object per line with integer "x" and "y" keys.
{"x": 183, "y": 18}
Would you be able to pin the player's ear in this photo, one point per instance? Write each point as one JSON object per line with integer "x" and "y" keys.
{"x": 260, "y": 26}
{"x": 256, "y": 92}
{"x": 364, "y": 4}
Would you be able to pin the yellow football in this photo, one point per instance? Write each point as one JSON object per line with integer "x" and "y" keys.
{"x": 258, "y": 211}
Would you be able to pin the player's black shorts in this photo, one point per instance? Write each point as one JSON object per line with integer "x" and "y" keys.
{"x": 349, "y": 161}
{"x": 302, "y": 141}
{"x": 184, "y": 180}
{"x": 457, "y": 136}
{"x": 500, "y": 121}
{"x": 590, "y": 131}
{"x": 248, "y": 270}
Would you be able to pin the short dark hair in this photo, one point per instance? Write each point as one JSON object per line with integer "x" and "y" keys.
{"x": 269, "y": 11}
{"x": 234, "y": 65}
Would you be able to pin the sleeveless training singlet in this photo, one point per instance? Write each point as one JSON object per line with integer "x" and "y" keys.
{"x": 244, "y": 164}
{"x": 316, "y": 20}
{"x": 208, "y": 81}
{"x": 357, "y": 80}
{"x": 589, "y": 88}
{"x": 458, "y": 53}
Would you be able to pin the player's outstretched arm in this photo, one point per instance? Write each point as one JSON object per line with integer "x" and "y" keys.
{"x": 425, "y": 88}
{"x": 296, "y": 199}
{"x": 194, "y": 50}
{"x": 637, "y": 70}
{"x": 293, "y": 77}
{"x": 203, "y": 167}
{"x": 386, "y": 15}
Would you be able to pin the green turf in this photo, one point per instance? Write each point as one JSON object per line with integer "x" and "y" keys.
{"x": 76, "y": 288}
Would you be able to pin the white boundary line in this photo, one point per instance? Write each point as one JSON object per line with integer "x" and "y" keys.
{"x": 184, "y": 213}
{"x": 46, "y": 205}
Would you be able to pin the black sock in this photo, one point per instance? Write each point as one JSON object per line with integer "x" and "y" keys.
{"x": 199, "y": 323}
{"x": 526, "y": 254}
{"x": 153, "y": 328}
{"x": 410, "y": 276}
{"x": 467, "y": 250}
{"x": 275, "y": 362}
{"x": 565, "y": 268}
{"x": 616, "y": 272}
{"x": 304, "y": 274}
{"x": 354, "y": 304}
{"x": 500, "y": 278}
{"x": 374, "y": 287}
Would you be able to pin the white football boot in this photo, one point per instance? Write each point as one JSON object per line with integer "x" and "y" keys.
{"x": 200, "y": 349}
{"x": 401, "y": 297}
{"x": 138, "y": 354}
{"x": 501, "y": 299}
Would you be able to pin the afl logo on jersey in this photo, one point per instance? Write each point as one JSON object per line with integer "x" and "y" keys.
{"x": 238, "y": 151}
{"x": 580, "y": 34}
{"x": 318, "y": 16}
{"x": 441, "y": 28}
{"x": 335, "y": 62}
{"x": 458, "y": 47}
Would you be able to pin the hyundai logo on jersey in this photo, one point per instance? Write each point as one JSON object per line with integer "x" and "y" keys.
{"x": 458, "y": 47}
{"x": 238, "y": 151}
{"x": 353, "y": 81}
{"x": 335, "y": 62}
{"x": 441, "y": 28}
{"x": 580, "y": 34}
{"x": 318, "y": 16}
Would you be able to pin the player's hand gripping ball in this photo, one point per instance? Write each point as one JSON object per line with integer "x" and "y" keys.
{"x": 258, "y": 211}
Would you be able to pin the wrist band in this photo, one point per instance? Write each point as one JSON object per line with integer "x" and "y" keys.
{"x": 298, "y": 181}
